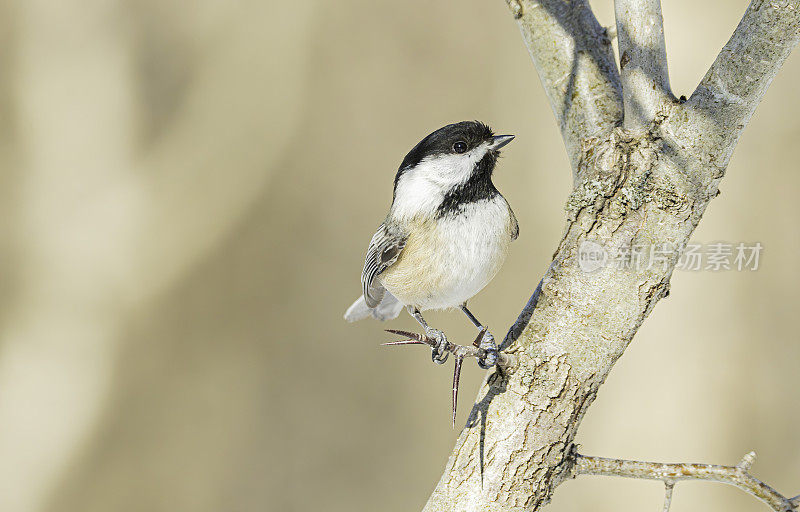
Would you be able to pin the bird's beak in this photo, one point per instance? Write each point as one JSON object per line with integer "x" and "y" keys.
{"x": 498, "y": 141}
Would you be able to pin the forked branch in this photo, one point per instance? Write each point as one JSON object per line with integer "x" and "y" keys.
{"x": 737, "y": 476}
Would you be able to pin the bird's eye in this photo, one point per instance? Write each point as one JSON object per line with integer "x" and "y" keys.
{"x": 460, "y": 146}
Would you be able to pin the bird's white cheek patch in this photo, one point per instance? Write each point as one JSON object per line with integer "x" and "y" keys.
{"x": 421, "y": 190}
{"x": 415, "y": 196}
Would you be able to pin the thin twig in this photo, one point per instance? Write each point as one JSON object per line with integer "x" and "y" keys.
{"x": 736, "y": 476}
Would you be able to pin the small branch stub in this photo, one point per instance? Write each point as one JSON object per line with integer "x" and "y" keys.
{"x": 747, "y": 461}
{"x": 669, "y": 486}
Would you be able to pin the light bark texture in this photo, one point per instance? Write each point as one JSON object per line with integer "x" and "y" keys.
{"x": 573, "y": 56}
{"x": 643, "y": 60}
{"x": 644, "y": 179}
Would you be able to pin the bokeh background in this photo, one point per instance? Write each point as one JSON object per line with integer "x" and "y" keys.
{"x": 186, "y": 194}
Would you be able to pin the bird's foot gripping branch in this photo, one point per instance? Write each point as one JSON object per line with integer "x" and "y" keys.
{"x": 483, "y": 349}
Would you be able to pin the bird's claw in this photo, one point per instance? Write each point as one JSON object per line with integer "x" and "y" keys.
{"x": 434, "y": 338}
{"x": 487, "y": 349}
{"x": 439, "y": 352}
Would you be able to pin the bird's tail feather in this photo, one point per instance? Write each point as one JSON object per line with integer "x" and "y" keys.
{"x": 388, "y": 309}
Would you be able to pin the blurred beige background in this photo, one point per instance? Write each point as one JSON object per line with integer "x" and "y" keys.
{"x": 187, "y": 192}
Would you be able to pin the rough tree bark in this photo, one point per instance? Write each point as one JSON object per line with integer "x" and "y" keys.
{"x": 645, "y": 166}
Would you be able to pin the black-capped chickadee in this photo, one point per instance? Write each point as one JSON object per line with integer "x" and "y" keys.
{"x": 446, "y": 235}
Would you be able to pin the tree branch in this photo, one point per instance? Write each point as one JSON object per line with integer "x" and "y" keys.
{"x": 734, "y": 85}
{"x": 633, "y": 188}
{"x": 573, "y": 56}
{"x": 736, "y": 476}
{"x": 643, "y": 61}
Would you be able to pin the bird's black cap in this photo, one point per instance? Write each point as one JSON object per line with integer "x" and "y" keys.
{"x": 442, "y": 140}
{"x": 460, "y": 138}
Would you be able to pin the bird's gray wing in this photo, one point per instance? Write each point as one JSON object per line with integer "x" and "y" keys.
{"x": 514, "y": 225}
{"x": 383, "y": 251}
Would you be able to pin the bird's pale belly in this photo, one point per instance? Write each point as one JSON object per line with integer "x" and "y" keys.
{"x": 445, "y": 263}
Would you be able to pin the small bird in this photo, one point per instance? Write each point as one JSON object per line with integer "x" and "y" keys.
{"x": 446, "y": 235}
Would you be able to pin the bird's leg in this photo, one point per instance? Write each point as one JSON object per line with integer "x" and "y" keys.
{"x": 483, "y": 348}
{"x": 439, "y": 352}
{"x": 487, "y": 345}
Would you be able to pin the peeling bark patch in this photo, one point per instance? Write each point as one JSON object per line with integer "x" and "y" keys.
{"x": 649, "y": 294}
{"x": 624, "y": 60}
